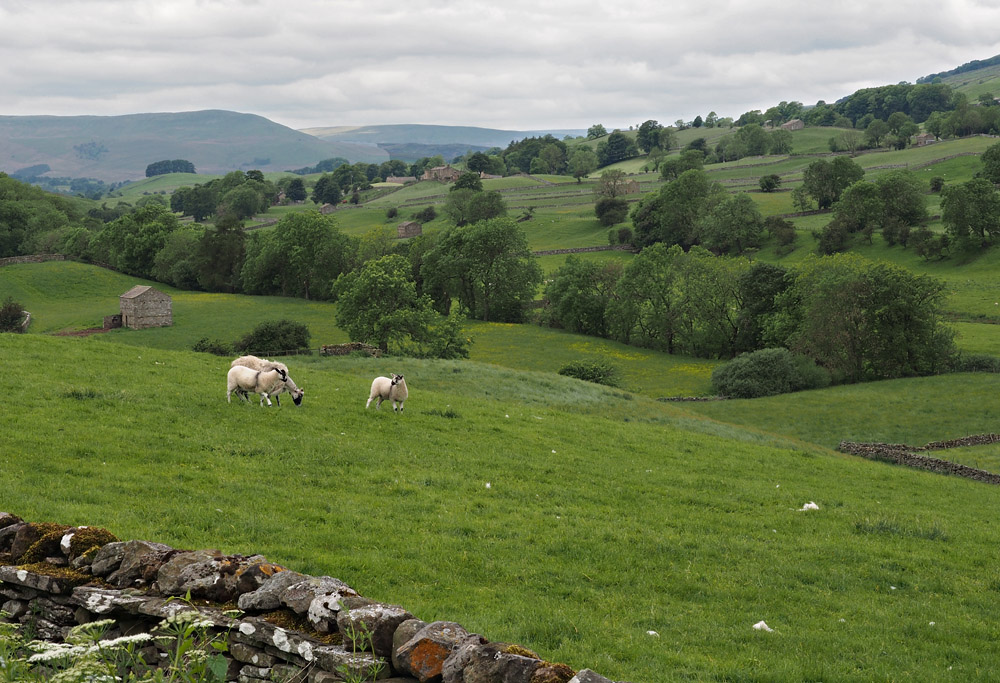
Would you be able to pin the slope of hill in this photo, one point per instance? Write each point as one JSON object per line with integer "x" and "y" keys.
{"x": 114, "y": 148}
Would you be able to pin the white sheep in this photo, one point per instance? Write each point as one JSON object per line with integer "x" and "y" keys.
{"x": 385, "y": 389}
{"x": 263, "y": 364}
{"x": 244, "y": 380}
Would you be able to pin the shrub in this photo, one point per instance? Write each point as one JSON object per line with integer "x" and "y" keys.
{"x": 766, "y": 373}
{"x": 391, "y": 212}
{"x": 625, "y": 235}
{"x": 611, "y": 210}
{"x": 11, "y": 315}
{"x": 599, "y": 372}
{"x": 213, "y": 346}
{"x": 275, "y": 337}
{"x": 425, "y": 215}
{"x": 976, "y": 362}
{"x": 770, "y": 182}
{"x": 937, "y": 183}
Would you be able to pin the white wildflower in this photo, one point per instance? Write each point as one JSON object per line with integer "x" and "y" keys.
{"x": 127, "y": 640}
{"x": 488, "y": 485}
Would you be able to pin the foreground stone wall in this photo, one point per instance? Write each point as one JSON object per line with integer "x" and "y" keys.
{"x": 290, "y": 626}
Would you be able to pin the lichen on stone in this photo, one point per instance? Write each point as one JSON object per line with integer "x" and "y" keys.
{"x": 552, "y": 673}
{"x": 47, "y": 545}
{"x": 519, "y": 650}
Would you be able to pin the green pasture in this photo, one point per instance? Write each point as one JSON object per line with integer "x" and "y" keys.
{"x": 975, "y": 83}
{"x": 814, "y": 139}
{"x": 541, "y": 510}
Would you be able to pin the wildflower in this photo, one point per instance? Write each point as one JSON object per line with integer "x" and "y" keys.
{"x": 127, "y": 640}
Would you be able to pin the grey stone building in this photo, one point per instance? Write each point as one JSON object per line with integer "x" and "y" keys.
{"x": 142, "y": 307}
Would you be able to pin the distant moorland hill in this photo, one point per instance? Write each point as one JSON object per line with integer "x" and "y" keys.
{"x": 115, "y": 148}
{"x": 412, "y": 141}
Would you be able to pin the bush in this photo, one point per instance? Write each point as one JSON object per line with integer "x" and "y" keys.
{"x": 937, "y": 183}
{"x": 976, "y": 362}
{"x": 599, "y": 372}
{"x": 213, "y": 346}
{"x": 611, "y": 210}
{"x": 770, "y": 182}
{"x": 275, "y": 338}
{"x": 425, "y": 215}
{"x": 767, "y": 372}
{"x": 391, "y": 212}
{"x": 11, "y": 316}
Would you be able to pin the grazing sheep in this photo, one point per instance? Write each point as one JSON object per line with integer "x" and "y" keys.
{"x": 255, "y": 363}
{"x": 386, "y": 389}
{"x": 244, "y": 380}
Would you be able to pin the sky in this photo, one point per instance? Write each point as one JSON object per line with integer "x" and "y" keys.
{"x": 508, "y": 64}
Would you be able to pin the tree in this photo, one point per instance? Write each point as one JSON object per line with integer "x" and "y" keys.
{"x": 478, "y": 162}
{"x": 769, "y": 182}
{"x": 174, "y": 263}
{"x": 781, "y": 141}
{"x": 130, "y": 243}
{"x": 468, "y": 180}
{"x": 582, "y": 163}
{"x": 671, "y": 215}
{"x": 875, "y": 131}
{"x": 971, "y": 212}
{"x": 733, "y": 223}
{"x": 464, "y": 206}
{"x": 487, "y": 266}
{"x": 296, "y": 190}
{"x": 378, "y": 303}
{"x": 825, "y": 180}
{"x": 579, "y": 295}
{"x": 326, "y": 190}
{"x": 755, "y": 139}
{"x": 865, "y": 320}
{"x": 617, "y": 147}
{"x": 219, "y": 258}
{"x": 991, "y": 163}
{"x": 711, "y": 120}
{"x": 648, "y": 135}
{"x": 11, "y": 315}
{"x": 613, "y": 183}
{"x": 697, "y": 123}
{"x": 300, "y": 257}
{"x": 596, "y": 131}
{"x": 611, "y": 210}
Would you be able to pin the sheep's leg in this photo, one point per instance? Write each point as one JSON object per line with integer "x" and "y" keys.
{"x": 277, "y": 399}
{"x": 369, "y": 402}
{"x": 263, "y": 397}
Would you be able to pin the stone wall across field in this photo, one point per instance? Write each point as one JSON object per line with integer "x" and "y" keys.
{"x": 903, "y": 454}
{"x": 288, "y": 626}
{"x": 36, "y": 258}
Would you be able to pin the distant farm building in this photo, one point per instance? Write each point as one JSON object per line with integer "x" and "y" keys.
{"x": 327, "y": 208}
{"x": 630, "y": 187}
{"x": 794, "y": 124}
{"x": 401, "y": 179}
{"x": 445, "y": 174}
{"x": 924, "y": 139}
{"x": 408, "y": 229}
{"x": 142, "y": 307}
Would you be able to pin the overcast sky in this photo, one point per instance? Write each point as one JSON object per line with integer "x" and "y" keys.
{"x": 510, "y": 64}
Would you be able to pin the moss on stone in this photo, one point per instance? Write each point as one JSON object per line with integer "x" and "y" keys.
{"x": 291, "y": 621}
{"x": 71, "y": 576}
{"x": 520, "y": 650}
{"x": 86, "y": 539}
{"x": 47, "y": 545}
{"x": 553, "y": 673}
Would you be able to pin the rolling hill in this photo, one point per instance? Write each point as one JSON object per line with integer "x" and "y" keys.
{"x": 115, "y": 148}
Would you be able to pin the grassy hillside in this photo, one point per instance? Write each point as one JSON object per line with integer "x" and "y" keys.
{"x": 606, "y": 516}
{"x": 115, "y": 148}
{"x": 432, "y": 135}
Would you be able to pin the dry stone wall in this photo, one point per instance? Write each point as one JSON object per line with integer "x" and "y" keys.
{"x": 36, "y": 258}
{"x": 288, "y": 627}
{"x": 903, "y": 454}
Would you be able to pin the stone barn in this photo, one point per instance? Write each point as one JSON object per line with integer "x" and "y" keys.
{"x": 408, "y": 229}
{"x": 142, "y": 307}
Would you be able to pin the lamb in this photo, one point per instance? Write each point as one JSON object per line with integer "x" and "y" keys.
{"x": 386, "y": 389}
{"x": 263, "y": 364}
{"x": 244, "y": 380}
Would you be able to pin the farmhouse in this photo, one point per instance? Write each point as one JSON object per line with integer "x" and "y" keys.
{"x": 794, "y": 124}
{"x": 142, "y": 307}
{"x": 445, "y": 174}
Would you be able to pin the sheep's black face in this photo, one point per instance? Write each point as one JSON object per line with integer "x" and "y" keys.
{"x": 297, "y": 397}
